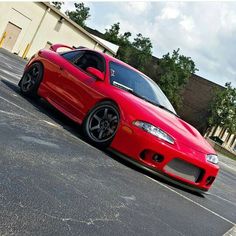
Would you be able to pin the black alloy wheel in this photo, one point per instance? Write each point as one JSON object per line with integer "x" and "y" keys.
{"x": 31, "y": 79}
{"x": 101, "y": 124}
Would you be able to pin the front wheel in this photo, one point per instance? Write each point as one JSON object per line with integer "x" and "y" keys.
{"x": 101, "y": 124}
{"x": 31, "y": 79}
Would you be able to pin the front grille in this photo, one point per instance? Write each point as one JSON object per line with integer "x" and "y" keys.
{"x": 183, "y": 169}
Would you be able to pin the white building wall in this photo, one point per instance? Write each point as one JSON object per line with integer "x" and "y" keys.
{"x": 27, "y": 15}
{"x": 67, "y": 34}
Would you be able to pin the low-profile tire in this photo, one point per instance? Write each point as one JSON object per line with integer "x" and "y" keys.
{"x": 31, "y": 80}
{"x": 101, "y": 124}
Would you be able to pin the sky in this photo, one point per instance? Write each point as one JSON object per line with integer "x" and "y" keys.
{"x": 204, "y": 31}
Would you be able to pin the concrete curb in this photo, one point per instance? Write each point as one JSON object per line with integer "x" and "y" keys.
{"x": 231, "y": 232}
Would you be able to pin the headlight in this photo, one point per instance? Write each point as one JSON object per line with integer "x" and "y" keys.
{"x": 154, "y": 131}
{"x": 212, "y": 158}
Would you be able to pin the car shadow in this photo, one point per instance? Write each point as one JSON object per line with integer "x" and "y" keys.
{"x": 47, "y": 109}
{"x": 144, "y": 171}
{"x": 75, "y": 129}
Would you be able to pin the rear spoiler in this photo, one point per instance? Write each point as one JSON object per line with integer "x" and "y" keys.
{"x": 55, "y": 47}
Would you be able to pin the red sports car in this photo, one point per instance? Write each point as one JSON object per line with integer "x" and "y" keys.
{"x": 120, "y": 107}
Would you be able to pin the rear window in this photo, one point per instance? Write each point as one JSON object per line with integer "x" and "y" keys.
{"x": 71, "y": 55}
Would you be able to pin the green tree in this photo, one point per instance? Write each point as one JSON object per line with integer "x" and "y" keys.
{"x": 223, "y": 109}
{"x": 141, "y": 54}
{"x": 57, "y": 4}
{"x": 143, "y": 44}
{"x": 113, "y": 33}
{"x": 171, "y": 72}
{"x": 174, "y": 72}
{"x": 80, "y": 15}
{"x": 136, "y": 53}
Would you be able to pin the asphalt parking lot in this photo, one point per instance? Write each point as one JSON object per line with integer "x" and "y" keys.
{"x": 54, "y": 183}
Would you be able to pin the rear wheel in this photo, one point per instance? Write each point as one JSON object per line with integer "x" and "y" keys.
{"x": 101, "y": 124}
{"x": 31, "y": 79}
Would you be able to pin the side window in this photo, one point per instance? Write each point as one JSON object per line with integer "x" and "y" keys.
{"x": 72, "y": 55}
{"x": 90, "y": 59}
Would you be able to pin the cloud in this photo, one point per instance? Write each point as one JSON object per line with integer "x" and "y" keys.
{"x": 187, "y": 23}
{"x": 67, "y": 6}
{"x": 205, "y": 31}
{"x": 169, "y": 13}
{"x": 137, "y": 8}
{"x": 228, "y": 19}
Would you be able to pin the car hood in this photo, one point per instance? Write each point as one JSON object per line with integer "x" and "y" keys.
{"x": 181, "y": 131}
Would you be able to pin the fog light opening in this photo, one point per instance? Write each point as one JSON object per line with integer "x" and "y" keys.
{"x": 158, "y": 158}
{"x": 210, "y": 180}
{"x": 143, "y": 154}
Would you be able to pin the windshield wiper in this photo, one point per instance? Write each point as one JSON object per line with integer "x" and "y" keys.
{"x": 122, "y": 86}
{"x": 130, "y": 90}
{"x": 166, "y": 109}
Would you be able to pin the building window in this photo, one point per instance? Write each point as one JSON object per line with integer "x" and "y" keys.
{"x": 228, "y": 137}
{"x": 233, "y": 140}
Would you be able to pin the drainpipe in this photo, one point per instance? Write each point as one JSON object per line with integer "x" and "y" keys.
{"x": 35, "y": 34}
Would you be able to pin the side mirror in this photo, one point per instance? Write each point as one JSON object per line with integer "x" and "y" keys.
{"x": 97, "y": 73}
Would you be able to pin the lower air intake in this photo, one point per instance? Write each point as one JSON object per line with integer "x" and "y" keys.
{"x": 183, "y": 169}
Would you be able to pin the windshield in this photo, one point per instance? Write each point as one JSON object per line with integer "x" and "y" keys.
{"x": 138, "y": 84}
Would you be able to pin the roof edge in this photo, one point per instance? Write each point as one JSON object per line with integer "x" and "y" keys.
{"x": 77, "y": 26}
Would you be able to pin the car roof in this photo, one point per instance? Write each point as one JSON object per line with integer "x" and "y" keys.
{"x": 111, "y": 58}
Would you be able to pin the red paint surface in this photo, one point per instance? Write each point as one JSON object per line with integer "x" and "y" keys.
{"x": 74, "y": 92}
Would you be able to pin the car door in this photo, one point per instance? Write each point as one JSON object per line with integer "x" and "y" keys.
{"x": 57, "y": 77}
{"x": 79, "y": 89}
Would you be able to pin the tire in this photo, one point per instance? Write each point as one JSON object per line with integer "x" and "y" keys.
{"x": 31, "y": 80}
{"x": 101, "y": 124}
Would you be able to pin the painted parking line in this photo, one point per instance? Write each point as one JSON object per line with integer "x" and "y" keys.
{"x": 227, "y": 167}
{"x": 3, "y": 78}
{"x": 51, "y": 124}
{"x": 15, "y": 114}
{"x": 12, "y": 114}
{"x": 12, "y": 74}
{"x": 231, "y": 232}
{"x": 48, "y": 122}
{"x": 18, "y": 115}
{"x": 12, "y": 103}
{"x": 165, "y": 186}
{"x": 223, "y": 199}
{"x": 190, "y": 200}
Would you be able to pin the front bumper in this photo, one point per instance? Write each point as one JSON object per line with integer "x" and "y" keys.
{"x": 177, "y": 162}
